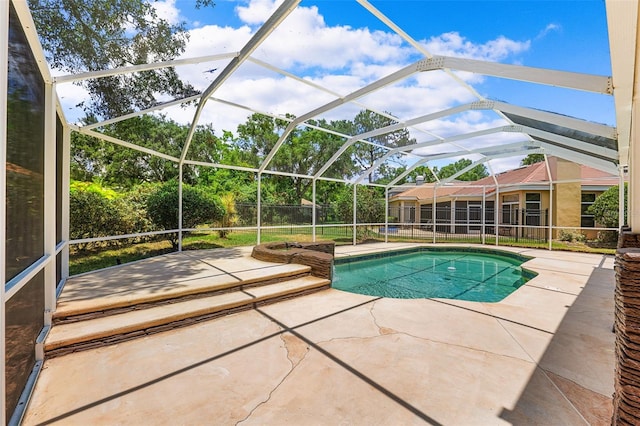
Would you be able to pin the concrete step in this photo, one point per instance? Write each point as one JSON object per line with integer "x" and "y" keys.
{"x": 96, "y": 332}
{"x": 137, "y": 298}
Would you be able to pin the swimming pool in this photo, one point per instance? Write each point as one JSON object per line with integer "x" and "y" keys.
{"x": 462, "y": 274}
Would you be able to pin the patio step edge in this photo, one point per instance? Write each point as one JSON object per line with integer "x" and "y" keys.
{"x": 81, "y": 310}
{"x": 97, "y": 332}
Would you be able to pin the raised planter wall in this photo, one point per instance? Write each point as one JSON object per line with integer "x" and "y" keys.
{"x": 626, "y": 398}
{"x": 318, "y": 255}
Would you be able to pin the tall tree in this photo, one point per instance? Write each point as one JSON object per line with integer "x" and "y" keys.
{"x": 478, "y": 172}
{"x": 425, "y": 172}
{"x": 304, "y": 152}
{"x": 365, "y": 155}
{"x": 92, "y": 35}
{"x": 123, "y": 167}
{"x": 532, "y": 159}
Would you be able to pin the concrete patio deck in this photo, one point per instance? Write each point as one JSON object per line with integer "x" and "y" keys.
{"x": 543, "y": 355}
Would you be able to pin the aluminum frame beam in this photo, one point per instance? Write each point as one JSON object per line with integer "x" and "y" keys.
{"x": 71, "y": 78}
{"x": 125, "y": 144}
{"x": 577, "y": 157}
{"x": 260, "y": 36}
{"x": 622, "y": 20}
{"x": 570, "y": 80}
{"x": 378, "y": 84}
{"x": 141, "y": 112}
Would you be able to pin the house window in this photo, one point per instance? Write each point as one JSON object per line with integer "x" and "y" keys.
{"x": 533, "y": 209}
{"x": 510, "y": 209}
{"x": 587, "y": 220}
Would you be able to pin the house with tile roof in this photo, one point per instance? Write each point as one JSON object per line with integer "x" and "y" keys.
{"x": 529, "y": 199}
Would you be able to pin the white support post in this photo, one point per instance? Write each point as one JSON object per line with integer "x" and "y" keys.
{"x": 313, "y": 210}
{"x": 484, "y": 215}
{"x": 452, "y": 215}
{"x": 66, "y": 183}
{"x": 551, "y": 215}
{"x": 621, "y": 199}
{"x": 496, "y": 213}
{"x": 355, "y": 213}
{"x": 546, "y": 162}
{"x": 259, "y": 212}
{"x": 433, "y": 214}
{"x": 180, "y": 207}
{"x": 633, "y": 197}
{"x": 49, "y": 204}
{"x": 4, "y": 61}
{"x": 386, "y": 215}
{"x": 629, "y": 201}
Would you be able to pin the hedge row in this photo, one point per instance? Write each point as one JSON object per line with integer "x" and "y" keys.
{"x": 99, "y": 212}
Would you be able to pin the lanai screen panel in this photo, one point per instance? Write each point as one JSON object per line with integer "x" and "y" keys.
{"x": 24, "y": 208}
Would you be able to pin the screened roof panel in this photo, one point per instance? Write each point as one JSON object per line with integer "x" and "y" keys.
{"x": 564, "y": 131}
{"x": 389, "y": 67}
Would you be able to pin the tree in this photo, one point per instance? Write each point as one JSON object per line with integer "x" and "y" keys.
{"x": 532, "y": 159}
{"x": 198, "y": 207}
{"x": 92, "y": 35}
{"x": 365, "y": 155}
{"x": 478, "y": 172}
{"x": 369, "y": 204}
{"x": 304, "y": 152}
{"x": 425, "y": 172}
{"x": 605, "y": 208}
{"x": 92, "y": 158}
{"x": 230, "y": 217}
{"x": 98, "y": 211}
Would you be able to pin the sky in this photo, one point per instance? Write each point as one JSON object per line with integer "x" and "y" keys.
{"x": 339, "y": 45}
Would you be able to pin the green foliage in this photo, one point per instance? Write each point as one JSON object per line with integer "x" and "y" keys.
{"x": 425, "y": 172}
{"x": 477, "y": 173}
{"x": 230, "y": 217}
{"x": 304, "y": 151}
{"x": 90, "y": 35}
{"x": 198, "y": 207}
{"x": 532, "y": 159}
{"x": 98, "y": 211}
{"x": 605, "y": 207}
{"x": 115, "y": 165}
{"x": 570, "y": 236}
{"x": 78, "y": 186}
{"x": 91, "y": 215}
{"x": 365, "y": 155}
{"x": 369, "y": 205}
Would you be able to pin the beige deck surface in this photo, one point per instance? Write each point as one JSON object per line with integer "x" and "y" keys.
{"x": 543, "y": 355}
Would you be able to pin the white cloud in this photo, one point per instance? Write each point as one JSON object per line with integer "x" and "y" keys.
{"x": 167, "y": 10}
{"x": 257, "y": 11}
{"x": 342, "y": 59}
{"x": 548, "y": 29}
{"x": 454, "y": 44}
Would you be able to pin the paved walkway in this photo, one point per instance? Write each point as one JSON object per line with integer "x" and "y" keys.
{"x": 543, "y": 355}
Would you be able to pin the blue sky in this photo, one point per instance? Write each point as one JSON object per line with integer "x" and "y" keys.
{"x": 339, "y": 45}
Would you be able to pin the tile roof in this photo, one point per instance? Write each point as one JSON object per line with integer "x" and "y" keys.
{"x": 532, "y": 174}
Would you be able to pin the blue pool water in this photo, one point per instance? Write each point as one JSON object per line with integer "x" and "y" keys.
{"x": 454, "y": 274}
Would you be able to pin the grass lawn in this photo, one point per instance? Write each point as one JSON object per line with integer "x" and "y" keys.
{"x": 103, "y": 257}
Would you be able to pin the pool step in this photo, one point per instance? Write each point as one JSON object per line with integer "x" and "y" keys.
{"x": 100, "y": 331}
{"x": 68, "y": 311}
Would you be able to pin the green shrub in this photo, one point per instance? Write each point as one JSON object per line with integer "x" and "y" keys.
{"x": 92, "y": 215}
{"x": 571, "y": 236}
{"x": 97, "y": 211}
{"x": 605, "y": 207}
{"x": 230, "y": 217}
{"x": 198, "y": 207}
